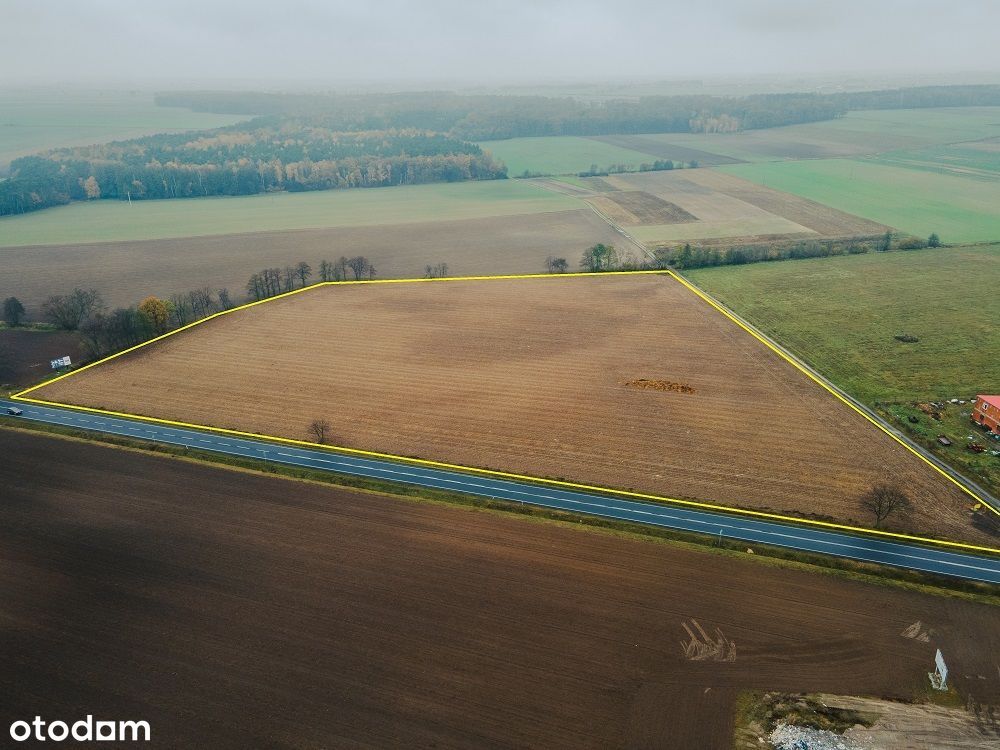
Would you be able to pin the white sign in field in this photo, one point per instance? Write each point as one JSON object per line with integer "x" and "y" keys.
{"x": 939, "y": 677}
{"x": 60, "y": 363}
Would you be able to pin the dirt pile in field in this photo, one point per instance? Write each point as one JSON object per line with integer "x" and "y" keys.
{"x": 660, "y": 385}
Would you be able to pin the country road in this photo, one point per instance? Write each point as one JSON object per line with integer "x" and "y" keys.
{"x": 985, "y": 568}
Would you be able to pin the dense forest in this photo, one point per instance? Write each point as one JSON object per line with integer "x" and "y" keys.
{"x": 323, "y": 141}
{"x": 264, "y": 155}
{"x": 491, "y": 117}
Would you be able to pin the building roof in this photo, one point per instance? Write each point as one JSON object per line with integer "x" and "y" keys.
{"x": 991, "y": 400}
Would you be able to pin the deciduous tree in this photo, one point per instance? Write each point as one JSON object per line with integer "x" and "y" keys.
{"x": 13, "y": 311}
{"x": 70, "y": 311}
{"x": 156, "y": 313}
{"x": 883, "y": 500}
{"x": 319, "y": 429}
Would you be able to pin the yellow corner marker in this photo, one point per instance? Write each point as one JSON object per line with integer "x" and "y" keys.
{"x": 22, "y": 396}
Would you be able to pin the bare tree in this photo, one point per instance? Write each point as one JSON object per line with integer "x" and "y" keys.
{"x": 319, "y": 428}
{"x": 73, "y": 310}
{"x": 202, "y": 302}
{"x": 303, "y": 270}
{"x": 180, "y": 309}
{"x": 556, "y": 265}
{"x": 340, "y": 269}
{"x": 882, "y": 500}
{"x": 225, "y": 302}
{"x": 438, "y": 271}
{"x": 360, "y": 266}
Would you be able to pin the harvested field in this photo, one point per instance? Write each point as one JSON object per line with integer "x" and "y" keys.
{"x": 232, "y": 610}
{"x": 634, "y": 207}
{"x": 28, "y": 353}
{"x": 528, "y": 376}
{"x": 735, "y": 209}
{"x": 719, "y": 215}
{"x": 819, "y": 218}
{"x": 659, "y": 147}
{"x": 126, "y": 272}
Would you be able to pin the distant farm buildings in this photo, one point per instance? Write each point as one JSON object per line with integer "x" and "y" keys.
{"x": 987, "y": 412}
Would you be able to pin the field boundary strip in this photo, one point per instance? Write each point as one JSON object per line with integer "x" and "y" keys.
{"x": 23, "y": 396}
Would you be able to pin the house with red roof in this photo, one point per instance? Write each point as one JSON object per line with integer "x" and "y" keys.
{"x": 987, "y": 412}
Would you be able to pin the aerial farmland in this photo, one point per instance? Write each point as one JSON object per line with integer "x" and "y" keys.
{"x": 547, "y": 375}
{"x": 630, "y": 382}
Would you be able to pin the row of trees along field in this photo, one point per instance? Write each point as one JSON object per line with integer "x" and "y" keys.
{"x": 267, "y": 155}
{"x": 687, "y": 257}
{"x": 489, "y": 117}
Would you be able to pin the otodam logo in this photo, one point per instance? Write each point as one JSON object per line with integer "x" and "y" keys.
{"x": 84, "y": 730}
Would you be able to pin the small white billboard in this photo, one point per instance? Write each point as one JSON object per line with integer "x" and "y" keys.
{"x": 58, "y": 364}
{"x": 939, "y": 677}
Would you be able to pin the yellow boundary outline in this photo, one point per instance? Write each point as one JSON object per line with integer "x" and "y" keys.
{"x": 22, "y": 396}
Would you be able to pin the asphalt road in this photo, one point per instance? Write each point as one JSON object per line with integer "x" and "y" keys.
{"x": 804, "y": 538}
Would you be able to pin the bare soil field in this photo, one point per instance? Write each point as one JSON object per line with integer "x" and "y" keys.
{"x": 825, "y": 221}
{"x": 533, "y": 376}
{"x": 126, "y": 272}
{"x": 734, "y": 210}
{"x": 233, "y": 610}
{"x": 635, "y": 207}
{"x": 27, "y": 354}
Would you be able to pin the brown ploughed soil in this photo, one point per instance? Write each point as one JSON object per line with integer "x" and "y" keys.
{"x": 127, "y": 272}
{"x": 631, "y": 207}
{"x": 232, "y": 610}
{"x": 28, "y": 354}
{"x": 530, "y": 376}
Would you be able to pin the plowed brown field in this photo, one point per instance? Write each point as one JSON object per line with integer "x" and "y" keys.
{"x": 531, "y": 376}
{"x": 238, "y": 611}
{"x": 126, "y": 272}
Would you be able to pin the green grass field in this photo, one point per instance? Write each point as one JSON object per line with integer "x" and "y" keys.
{"x": 855, "y": 134}
{"x": 107, "y": 220}
{"x": 841, "y": 315}
{"x": 959, "y": 208}
{"x": 560, "y": 155}
{"x": 969, "y": 159}
{"x": 32, "y": 121}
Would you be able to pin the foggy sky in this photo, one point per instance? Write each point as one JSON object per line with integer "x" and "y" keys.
{"x": 325, "y": 42}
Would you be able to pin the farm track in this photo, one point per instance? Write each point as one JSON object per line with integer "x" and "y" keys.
{"x": 489, "y": 374}
{"x": 234, "y": 610}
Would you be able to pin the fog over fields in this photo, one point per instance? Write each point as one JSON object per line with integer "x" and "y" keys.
{"x": 301, "y": 43}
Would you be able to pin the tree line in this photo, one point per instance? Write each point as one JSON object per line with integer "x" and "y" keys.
{"x": 488, "y": 117}
{"x": 245, "y": 159}
{"x": 688, "y": 257}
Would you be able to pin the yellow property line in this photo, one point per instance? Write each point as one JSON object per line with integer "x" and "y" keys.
{"x": 22, "y": 396}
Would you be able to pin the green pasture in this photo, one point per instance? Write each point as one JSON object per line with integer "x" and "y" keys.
{"x": 959, "y": 208}
{"x": 37, "y": 120}
{"x": 107, "y": 220}
{"x": 841, "y": 315}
